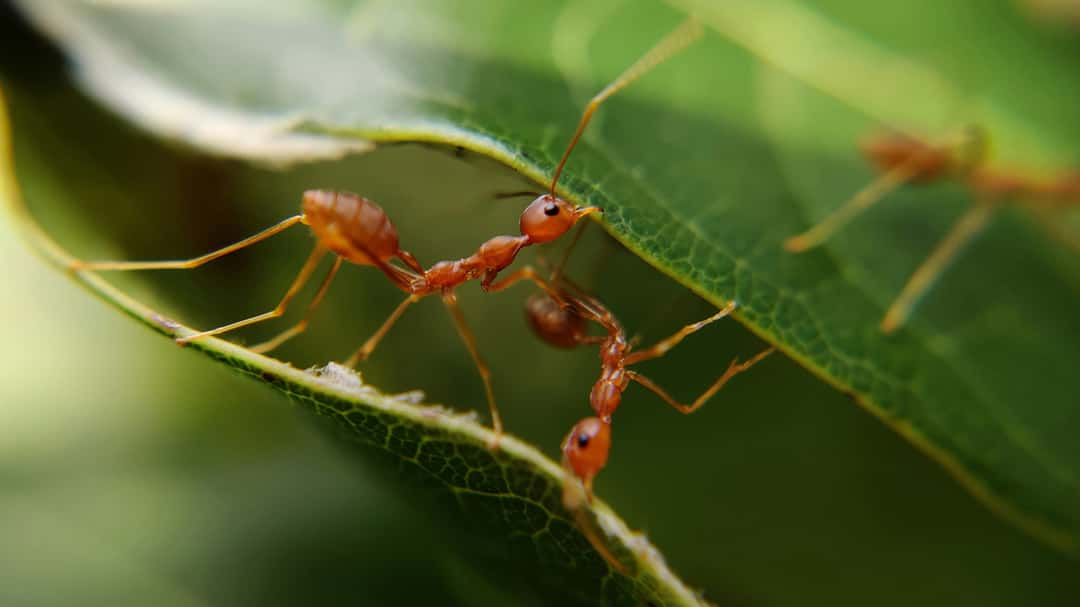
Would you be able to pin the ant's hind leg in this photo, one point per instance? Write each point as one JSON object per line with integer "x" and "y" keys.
{"x": 368, "y": 347}
{"x": 862, "y": 200}
{"x": 965, "y": 228}
{"x": 301, "y": 326}
{"x": 298, "y": 283}
{"x": 485, "y": 374}
{"x": 661, "y": 347}
{"x": 733, "y": 369}
{"x": 186, "y": 264}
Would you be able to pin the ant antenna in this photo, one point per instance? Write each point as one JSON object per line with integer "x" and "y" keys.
{"x": 965, "y": 228}
{"x": 669, "y": 45}
{"x": 516, "y": 194}
{"x": 557, "y": 271}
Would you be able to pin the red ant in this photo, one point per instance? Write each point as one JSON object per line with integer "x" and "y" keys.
{"x": 357, "y": 230}
{"x": 902, "y": 159}
{"x": 561, "y": 321}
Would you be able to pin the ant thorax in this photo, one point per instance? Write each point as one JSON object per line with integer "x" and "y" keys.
{"x": 500, "y": 251}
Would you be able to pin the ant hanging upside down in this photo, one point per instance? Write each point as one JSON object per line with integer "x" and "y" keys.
{"x": 357, "y": 230}
{"x": 562, "y": 320}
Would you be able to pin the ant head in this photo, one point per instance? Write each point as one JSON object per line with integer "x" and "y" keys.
{"x": 585, "y": 449}
{"x": 556, "y": 325}
{"x": 549, "y": 217}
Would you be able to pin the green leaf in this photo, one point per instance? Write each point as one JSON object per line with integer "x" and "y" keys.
{"x": 703, "y": 168}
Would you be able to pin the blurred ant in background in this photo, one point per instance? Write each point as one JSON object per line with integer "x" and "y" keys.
{"x": 901, "y": 159}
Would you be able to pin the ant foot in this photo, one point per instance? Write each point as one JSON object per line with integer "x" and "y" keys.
{"x": 183, "y": 341}
{"x": 798, "y": 244}
{"x": 891, "y": 323}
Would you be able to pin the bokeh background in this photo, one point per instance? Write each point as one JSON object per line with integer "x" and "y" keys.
{"x": 133, "y": 471}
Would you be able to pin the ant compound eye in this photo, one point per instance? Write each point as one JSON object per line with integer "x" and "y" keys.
{"x": 582, "y": 441}
{"x": 551, "y": 209}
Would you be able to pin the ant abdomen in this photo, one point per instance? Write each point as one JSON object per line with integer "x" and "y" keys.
{"x": 557, "y": 325}
{"x": 351, "y": 226}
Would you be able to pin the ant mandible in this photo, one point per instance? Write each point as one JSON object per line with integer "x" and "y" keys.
{"x": 357, "y": 230}
{"x": 901, "y": 159}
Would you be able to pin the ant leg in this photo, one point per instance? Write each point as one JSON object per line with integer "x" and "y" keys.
{"x": 485, "y": 374}
{"x": 369, "y": 346}
{"x": 187, "y": 264}
{"x": 582, "y": 303}
{"x": 298, "y": 283}
{"x": 556, "y": 273}
{"x": 965, "y": 228}
{"x": 969, "y": 143}
{"x": 526, "y": 273}
{"x": 590, "y": 529}
{"x": 410, "y": 261}
{"x": 661, "y": 347}
{"x": 733, "y": 369}
{"x": 301, "y": 326}
{"x": 678, "y": 39}
{"x": 862, "y": 200}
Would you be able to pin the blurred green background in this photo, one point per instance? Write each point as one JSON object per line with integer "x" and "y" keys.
{"x": 133, "y": 471}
